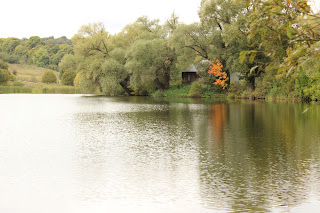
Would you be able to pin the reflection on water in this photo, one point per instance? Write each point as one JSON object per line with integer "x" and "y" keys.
{"x": 264, "y": 160}
{"x": 97, "y": 154}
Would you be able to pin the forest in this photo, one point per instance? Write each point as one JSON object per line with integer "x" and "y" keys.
{"x": 272, "y": 45}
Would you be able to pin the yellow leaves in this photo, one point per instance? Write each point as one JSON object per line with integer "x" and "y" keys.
{"x": 221, "y": 77}
{"x": 252, "y": 57}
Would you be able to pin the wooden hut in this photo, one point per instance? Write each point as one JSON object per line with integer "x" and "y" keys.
{"x": 189, "y": 75}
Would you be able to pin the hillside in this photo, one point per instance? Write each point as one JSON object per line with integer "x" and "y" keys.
{"x": 28, "y": 80}
{"x": 28, "y": 74}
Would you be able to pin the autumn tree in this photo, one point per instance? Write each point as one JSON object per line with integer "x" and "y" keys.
{"x": 221, "y": 77}
{"x": 226, "y": 25}
{"x": 220, "y": 34}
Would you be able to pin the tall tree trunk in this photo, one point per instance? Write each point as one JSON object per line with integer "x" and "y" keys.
{"x": 167, "y": 78}
{"x": 252, "y": 83}
{"x": 160, "y": 85}
{"x": 125, "y": 86}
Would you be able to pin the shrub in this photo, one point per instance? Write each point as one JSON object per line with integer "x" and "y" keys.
{"x": 275, "y": 92}
{"x": 49, "y": 77}
{"x": 177, "y": 90}
{"x": 265, "y": 83}
{"x": 157, "y": 93}
{"x": 3, "y": 65}
{"x": 4, "y": 76}
{"x": 17, "y": 84}
{"x": 307, "y": 87}
{"x": 68, "y": 77}
{"x": 195, "y": 90}
{"x": 4, "y": 73}
{"x": 9, "y": 58}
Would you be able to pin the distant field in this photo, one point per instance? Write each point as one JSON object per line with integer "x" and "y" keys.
{"x": 29, "y": 74}
{"x": 31, "y": 77}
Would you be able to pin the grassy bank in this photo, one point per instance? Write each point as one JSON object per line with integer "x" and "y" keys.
{"x": 190, "y": 91}
{"x": 233, "y": 93}
{"x": 50, "y": 89}
{"x": 14, "y": 89}
{"x": 275, "y": 94}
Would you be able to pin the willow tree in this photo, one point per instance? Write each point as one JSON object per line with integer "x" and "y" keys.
{"x": 150, "y": 62}
{"x": 98, "y": 70}
{"x": 151, "y": 58}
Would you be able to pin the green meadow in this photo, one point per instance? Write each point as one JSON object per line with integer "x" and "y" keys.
{"x": 28, "y": 80}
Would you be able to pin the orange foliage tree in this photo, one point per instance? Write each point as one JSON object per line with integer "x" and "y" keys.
{"x": 221, "y": 77}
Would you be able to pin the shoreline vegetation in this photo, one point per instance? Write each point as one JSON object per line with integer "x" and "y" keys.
{"x": 28, "y": 80}
{"x": 272, "y": 46}
{"x": 50, "y": 89}
{"x": 181, "y": 91}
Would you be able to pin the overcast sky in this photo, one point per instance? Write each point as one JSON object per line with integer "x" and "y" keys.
{"x": 25, "y": 18}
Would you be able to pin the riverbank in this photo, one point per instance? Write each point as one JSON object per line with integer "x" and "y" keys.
{"x": 174, "y": 91}
{"x": 40, "y": 89}
{"x": 190, "y": 91}
{"x": 233, "y": 93}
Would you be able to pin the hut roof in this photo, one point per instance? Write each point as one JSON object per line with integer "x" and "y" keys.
{"x": 191, "y": 69}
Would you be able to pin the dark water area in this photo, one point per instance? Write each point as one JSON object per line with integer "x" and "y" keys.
{"x": 73, "y": 153}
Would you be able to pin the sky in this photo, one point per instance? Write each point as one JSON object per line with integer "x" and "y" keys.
{"x": 25, "y": 18}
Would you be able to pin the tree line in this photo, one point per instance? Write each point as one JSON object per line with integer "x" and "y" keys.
{"x": 272, "y": 44}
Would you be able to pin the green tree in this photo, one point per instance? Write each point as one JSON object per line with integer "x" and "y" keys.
{"x": 92, "y": 40}
{"x": 21, "y": 50}
{"x": 68, "y": 77}
{"x": 93, "y": 46}
{"x": 49, "y": 77}
{"x": 63, "y": 49}
{"x": 3, "y": 65}
{"x": 112, "y": 74}
{"x": 4, "y": 73}
{"x": 284, "y": 38}
{"x": 69, "y": 62}
{"x": 4, "y": 77}
{"x": 192, "y": 44}
{"x": 33, "y": 42}
{"x": 150, "y": 63}
{"x": 9, "y": 45}
{"x": 41, "y": 57}
{"x": 151, "y": 58}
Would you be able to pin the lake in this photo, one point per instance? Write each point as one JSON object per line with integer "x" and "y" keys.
{"x": 73, "y": 153}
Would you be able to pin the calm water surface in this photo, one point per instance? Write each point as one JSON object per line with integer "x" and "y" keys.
{"x": 71, "y": 153}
